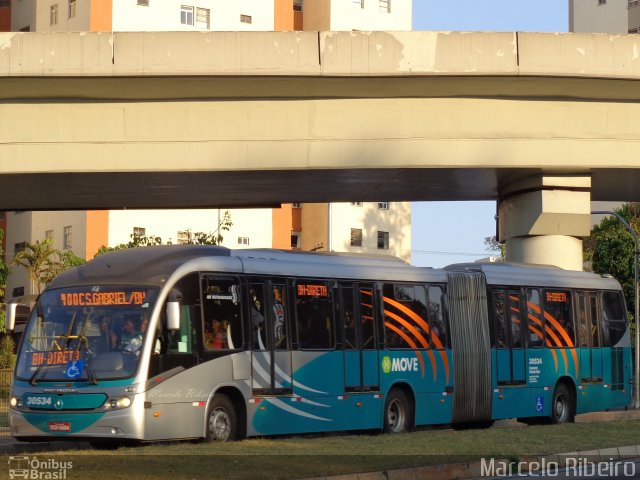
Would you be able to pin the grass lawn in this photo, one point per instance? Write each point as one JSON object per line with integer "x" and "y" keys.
{"x": 308, "y": 456}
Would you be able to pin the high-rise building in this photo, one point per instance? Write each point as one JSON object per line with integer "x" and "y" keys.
{"x": 604, "y": 16}
{"x": 366, "y": 227}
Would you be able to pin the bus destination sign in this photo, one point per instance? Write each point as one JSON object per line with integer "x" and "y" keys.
{"x": 102, "y": 299}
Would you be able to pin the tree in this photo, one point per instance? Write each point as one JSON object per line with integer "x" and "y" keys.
{"x": 39, "y": 259}
{"x": 4, "y": 270}
{"x": 491, "y": 244}
{"x": 609, "y": 249}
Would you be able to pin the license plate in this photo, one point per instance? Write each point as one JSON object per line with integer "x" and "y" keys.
{"x": 59, "y": 426}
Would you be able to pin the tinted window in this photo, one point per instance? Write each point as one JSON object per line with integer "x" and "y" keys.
{"x": 405, "y": 316}
{"x": 314, "y": 315}
{"x": 437, "y": 317}
{"x": 535, "y": 321}
{"x": 499, "y": 308}
{"x": 515, "y": 322}
{"x": 557, "y": 313}
{"x": 614, "y": 321}
{"x": 366, "y": 317}
{"x": 222, "y": 327}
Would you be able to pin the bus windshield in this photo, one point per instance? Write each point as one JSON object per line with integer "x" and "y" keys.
{"x": 88, "y": 333}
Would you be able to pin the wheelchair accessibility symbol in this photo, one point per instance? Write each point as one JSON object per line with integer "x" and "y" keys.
{"x": 539, "y": 404}
{"x": 74, "y": 369}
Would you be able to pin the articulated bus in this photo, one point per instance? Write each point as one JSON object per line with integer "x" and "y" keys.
{"x": 186, "y": 342}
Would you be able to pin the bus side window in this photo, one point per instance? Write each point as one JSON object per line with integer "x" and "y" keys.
{"x": 437, "y": 317}
{"x": 499, "y": 311}
{"x": 515, "y": 319}
{"x": 614, "y": 318}
{"x": 405, "y": 316}
{"x": 314, "y": 315}
{"x": 557, "y": 312}
{"x": 222, "y": 327}
{"x": 535, "y": 320}
{"x": 367, "y": 318}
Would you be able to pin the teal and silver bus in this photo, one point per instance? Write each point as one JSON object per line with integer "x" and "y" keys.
{"x": 183, "y": 342}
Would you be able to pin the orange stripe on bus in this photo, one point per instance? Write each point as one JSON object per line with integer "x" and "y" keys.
{"x": 418, "y": 336}
{"x": 411, "y": 328}
{"x": 566, "y": 336}
{"x": 412, "y": 344}
{"x": 411, "y": 314}
{"x": 555, "y": 339}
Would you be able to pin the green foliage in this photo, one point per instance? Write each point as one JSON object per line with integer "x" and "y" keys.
{"x": 4, "y": 269}
{"x": 7, "y": 357}
{"x": 44, "y": 262}
{"x": 609, "y": 249}
{"x": 192, "y": 238}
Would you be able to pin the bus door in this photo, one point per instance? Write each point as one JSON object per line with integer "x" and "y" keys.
{"x": 271, "y": 355}
{"x": 361, "y": 371}
{"x": 509, "y": 337}
{"x": 590, "y": 337}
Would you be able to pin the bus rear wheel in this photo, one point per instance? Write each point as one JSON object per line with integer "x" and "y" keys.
{"x": 222, "y": 420}
{"x": 562, "y": 405}
{"x": 398, "y": 417}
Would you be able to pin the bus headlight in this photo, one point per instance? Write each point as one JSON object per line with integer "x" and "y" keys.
{"x": 117, "y": 403}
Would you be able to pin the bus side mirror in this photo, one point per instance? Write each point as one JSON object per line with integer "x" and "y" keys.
{"x": 10, "y": 320}
{"x": 173, "y": 315}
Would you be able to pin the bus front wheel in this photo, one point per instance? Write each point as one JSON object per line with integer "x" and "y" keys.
{"x": 397, "y": 413}
{"x": 562, "y": 405}
{"x": 222, "y": 420}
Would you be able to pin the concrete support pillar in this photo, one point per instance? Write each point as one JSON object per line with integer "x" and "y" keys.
{"x": 543, "y": 220}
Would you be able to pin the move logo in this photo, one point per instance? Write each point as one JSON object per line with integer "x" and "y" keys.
{"x": 399, "y": 364}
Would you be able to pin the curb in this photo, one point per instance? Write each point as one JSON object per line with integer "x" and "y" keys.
{"x": 513, "y": 466}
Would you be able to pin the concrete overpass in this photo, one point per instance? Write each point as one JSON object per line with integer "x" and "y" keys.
{"x": 541, "y": 122}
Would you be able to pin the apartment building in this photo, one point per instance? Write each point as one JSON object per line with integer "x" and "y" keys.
{"x": 367, "y": 227}
{"x": 604, "y": 16}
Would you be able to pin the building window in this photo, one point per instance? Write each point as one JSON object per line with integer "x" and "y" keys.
{"x": 144, "y": 3}
{"x": 139, "y": 231}
{"x": 186, "y": 15}
{"x": 202, "y": 18}
{"x": 633, "y": 3}
{"x": 48, "y": 235}
{"x": 183, "y": 238}
{"x": 295, "y": 239}
{"x": 383, "y": 240}
{"x": 5, "y": 3}
{"x": 18, "y": 247}
{"x": 67, "y": 237}
{"x": 356, "y": 204}
{"x": 18, "y": 291}
{"x": 243, "y": 240}
{"x": 602, "y": 2}
{"x": 53, "y": 15}
{"x": 26, "y": 29}
{"x": 356, "y": 237}
{"x": 634, "y": 30}
{"x": 72, "y": 8}
{"x": 297, "y": 5}
{"x": 360, "y": 3}
{"x": 245, "y": 18}
{"x": 385, "y": 6}
{"x": 296, "y": 205}
{"x": 383, "y": 205}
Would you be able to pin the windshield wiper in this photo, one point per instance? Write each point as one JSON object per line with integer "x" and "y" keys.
{"x": 33, "y": 380}
{"x": 91, "y": 373}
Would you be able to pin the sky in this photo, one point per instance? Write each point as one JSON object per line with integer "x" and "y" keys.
{"x": 453, "y": 232}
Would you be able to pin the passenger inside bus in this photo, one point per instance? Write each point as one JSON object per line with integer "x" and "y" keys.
{"x": 216, "y": 335}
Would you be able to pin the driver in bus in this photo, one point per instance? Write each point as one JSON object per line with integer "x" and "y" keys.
{"x": 131, "y": 338}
